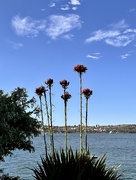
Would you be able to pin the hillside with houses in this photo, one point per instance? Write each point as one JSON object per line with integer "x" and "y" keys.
{"x": 124, "y": 128}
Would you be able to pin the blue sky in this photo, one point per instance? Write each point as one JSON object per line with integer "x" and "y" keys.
{"x": 41, "y": 39}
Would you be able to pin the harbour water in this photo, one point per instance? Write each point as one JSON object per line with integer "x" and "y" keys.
{"x": 119, "y": 148}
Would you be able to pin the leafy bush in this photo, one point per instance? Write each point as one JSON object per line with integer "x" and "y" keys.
{"x": 7, "y": 177}
{"x": 78, "y": 166}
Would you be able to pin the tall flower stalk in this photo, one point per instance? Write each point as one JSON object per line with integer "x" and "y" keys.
{"x": 39, "y": 92}
{"x": 87, "y": 93}
{"x": 46, "y": 107}
{"x": 49, "y": 83}
{"x": 80, "y": 69}
{"x": 65, "y": 97}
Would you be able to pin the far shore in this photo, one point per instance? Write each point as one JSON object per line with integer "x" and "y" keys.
{"x": 124, "y": 128}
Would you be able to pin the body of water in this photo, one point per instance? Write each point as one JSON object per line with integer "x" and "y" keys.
{"x": 119, "y": 148}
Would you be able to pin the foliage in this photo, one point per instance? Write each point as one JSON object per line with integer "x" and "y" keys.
{"x": 7, "y": 177}
{"x": 17, "y": 126}
{"x": 74, "y": 166}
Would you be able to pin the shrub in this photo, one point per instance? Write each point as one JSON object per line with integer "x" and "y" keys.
{"x": 74, "y": 166}
{"x": 7, "y": 177}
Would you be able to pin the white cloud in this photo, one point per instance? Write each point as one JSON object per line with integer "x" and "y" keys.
{"x": 75, "y": 2}
{"x": 27, "y": 26}
{"x": 100, "y": 34}
{"x": 129, "y": 31}
{"x": 59, "y": 25}
{"x": 43, "y": 9}
{"x": 65, "y": 7}
{"x": 119, "y": 25}
{"x": 119, "y": 35}
{"x": 17, "y": 45}
{"x": 124, "y": 56}
{"x": 14, "y": 44}
{"x": 74, "y": 8}
{"x": 120, "y": 40}
{"x": 52, "y": 4}
{"x": 95, "y": 56}
{"x": 68, "y": 36}
{"x": 54, "y": 26}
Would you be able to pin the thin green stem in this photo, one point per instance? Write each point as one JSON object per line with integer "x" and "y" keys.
{"x": 44, "y": 136}
{"x": 47, "y": 112}
{"x": 81, "y": 138}
{"x": 86, "y": 124}
{"x": 65, "y": 121}
{"x": 65, "y": 114}
{"x": 51, "y": 127}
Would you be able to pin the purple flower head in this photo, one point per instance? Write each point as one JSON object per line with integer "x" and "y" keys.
{"x": 49, "y": 82}
{"x": 66, "y": 96}
{"x": 87, "y": 92}
{"x": 80, "y": 68}
{"x": 40, "y": 90}
{"x": 64, "y": 83}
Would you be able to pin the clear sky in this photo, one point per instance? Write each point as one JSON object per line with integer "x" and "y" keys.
{"x": 41, "y": 39}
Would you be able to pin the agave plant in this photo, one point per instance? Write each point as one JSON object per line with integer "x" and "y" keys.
{"x": 39, "y": 91}
{"x": 87, "y": 93}
{"x": 74, "y": 166}
{"x": 80, "y": 69}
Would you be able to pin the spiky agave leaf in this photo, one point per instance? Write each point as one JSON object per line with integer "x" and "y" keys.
{"x": 39, "y": 172}
{"x": 74, "y": 166}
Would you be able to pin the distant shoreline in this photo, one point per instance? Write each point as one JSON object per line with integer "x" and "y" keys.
{"x": 124, "y": 128}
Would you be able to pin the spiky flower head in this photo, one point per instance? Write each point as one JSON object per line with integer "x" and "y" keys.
{"x": 40, "y": 90}
{"x": 87, "y": 92}
{"x": 80, "y": 68}
{"x": 64, "y": 83}
{"x": 49, "y": 82}
{"x": 66, "y": 96}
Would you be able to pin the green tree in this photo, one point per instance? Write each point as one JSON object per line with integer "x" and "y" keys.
{"x": 17, "y": 124}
